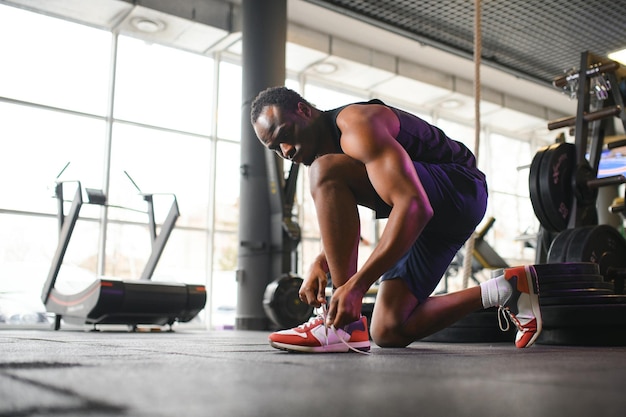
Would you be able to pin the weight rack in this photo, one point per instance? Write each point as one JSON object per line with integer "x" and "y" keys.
{"x": 563, "y": 181}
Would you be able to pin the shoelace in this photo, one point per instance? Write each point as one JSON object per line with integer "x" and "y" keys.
{"x": 334, "y": 330}
{"x": 503, "y": 314}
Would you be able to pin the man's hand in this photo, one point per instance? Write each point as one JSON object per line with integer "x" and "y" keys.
{"x": 345, "y": 306}
{"x": 313, "y": 288}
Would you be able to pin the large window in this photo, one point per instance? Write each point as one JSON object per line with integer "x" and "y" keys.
{"x": 53, "y": 62}
{"x": 56, "y": 91}
{"x": 128, "y": 116}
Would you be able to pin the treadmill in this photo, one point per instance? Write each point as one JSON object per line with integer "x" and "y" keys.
{"x": 112, "y": 301}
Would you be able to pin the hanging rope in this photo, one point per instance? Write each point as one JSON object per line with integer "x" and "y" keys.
{"x": 469, "y": 245}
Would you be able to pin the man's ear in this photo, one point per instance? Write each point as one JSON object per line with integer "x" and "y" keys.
{"x": 304, "y": 109}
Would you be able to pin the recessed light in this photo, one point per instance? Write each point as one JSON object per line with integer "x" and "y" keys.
{"x": 619, "y": 56}
{"x": 147, "y": 25}
{"x": 452, "y": 103}
{"x": 325, "y": 67}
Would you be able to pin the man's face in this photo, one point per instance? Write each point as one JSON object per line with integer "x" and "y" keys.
{"x": 285, "y": 132}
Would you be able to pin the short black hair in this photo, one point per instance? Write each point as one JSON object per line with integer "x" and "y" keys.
{"x": 279, "y": 96}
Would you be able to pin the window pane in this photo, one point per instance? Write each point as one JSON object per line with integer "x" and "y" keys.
{"x": 163, "y": 86}
{"x": 506, "y": 156}
{"x": 224, "y": 284}
{"x": 325, "y": 98}
{"x": 227, "y": 186}
{"x": 183, "y": 260}
{"x": 25, "y": 251}
{"x": 36, "y": 145}
{"x": 160, "y": 162}
{"x": 229, "y": 116}
{"x": 53, "y": 61}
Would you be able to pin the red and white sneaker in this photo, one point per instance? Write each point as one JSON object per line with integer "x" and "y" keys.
{"x": 523, "y": 305}
{"x": 314, "y": 336}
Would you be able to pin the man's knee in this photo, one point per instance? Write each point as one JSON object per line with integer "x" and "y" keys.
{"x": 386, "y": 335}
{"x": 328, "y": 167}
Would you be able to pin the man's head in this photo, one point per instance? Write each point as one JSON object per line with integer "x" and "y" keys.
{"x": 275, "y": 96}
{"x": 283, "y": 121}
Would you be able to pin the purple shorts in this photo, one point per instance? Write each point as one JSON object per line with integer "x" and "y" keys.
{"x": 458, "y": 196}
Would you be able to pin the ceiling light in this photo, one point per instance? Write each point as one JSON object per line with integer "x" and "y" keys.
{"x": 619, "y": 56}
{"x": 147, "y": 25}
{"x": 452, "y": 103}
{"x": 325, "y": 68}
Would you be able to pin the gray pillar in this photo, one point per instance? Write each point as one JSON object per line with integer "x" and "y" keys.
{"x": 264, "y": 38}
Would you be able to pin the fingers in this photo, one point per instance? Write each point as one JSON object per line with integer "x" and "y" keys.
{"x": 309, "y": 296}
{"x": 321, "y": 293}
{"x": 344, "y": 308}
{"x": 313, "y": 289}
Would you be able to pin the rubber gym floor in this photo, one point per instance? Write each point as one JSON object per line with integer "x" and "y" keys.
{"x": 236, "y": 373}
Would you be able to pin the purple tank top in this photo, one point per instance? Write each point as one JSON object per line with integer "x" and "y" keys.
{"x": 422, "y": 141}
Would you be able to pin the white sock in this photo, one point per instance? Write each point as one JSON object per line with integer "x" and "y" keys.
{"x": 495, "y": 292}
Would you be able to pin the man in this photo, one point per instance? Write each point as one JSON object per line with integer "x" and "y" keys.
{"x": 430, "y": 190}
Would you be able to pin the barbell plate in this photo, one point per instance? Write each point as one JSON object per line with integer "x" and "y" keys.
{"x": 575, "y": 285}
{"x": 601, "y": 244}
{"x": 583, "y": 300}
{"x": 535, "y": 194}
{"x": 282, "y": 303}
{"x": 574, "y": 292}
{"x": 587, "y": 336}
{"x": 552, "y": 279}
{"x": 566, "y": 268}
{"x": 584, "y": 315}
{"x": 555, "y": 185}
{"x": 558, "y": 248}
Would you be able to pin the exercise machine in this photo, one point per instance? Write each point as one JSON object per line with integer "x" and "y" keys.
{"x": 113, "y": 301}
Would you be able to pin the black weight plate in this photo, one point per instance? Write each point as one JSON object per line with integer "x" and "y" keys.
{"x": 556, "y": 171}
{"x": 472, "y": 335}
{"x": 575, "y": 285}
{"x": 558, "y": 249}
{"x": 575, "y": 292}
{"x": 566, "y": 268}
{"x": 583, "y": 300}
{"x": 535, "y": 193}
{"x": 587, "y": 336}
{"x": 556, "y": 279}
{"x": 584, "y": 315}
{"x": 482, "y": 318}
{"x": 282, "y": 303}
{"x": 601, "y": 244}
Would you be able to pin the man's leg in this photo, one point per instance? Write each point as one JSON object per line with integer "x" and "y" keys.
{"x": 338, "y": 184}
{"x": 399, "y": 319}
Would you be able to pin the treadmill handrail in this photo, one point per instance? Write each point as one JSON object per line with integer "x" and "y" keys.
{"x": 68, "y": 222}
{"x": 158, "y": 242}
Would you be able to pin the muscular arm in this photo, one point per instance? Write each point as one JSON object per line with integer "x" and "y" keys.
{"x": 368, "y": 135}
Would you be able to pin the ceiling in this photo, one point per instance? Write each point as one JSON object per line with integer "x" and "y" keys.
{"x": 420, "y": 49}
{"x": 533, "y": 39}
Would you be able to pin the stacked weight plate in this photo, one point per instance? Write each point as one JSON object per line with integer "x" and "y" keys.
{"x": 478, "y": 327}
{"x": 579, "y": 307}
